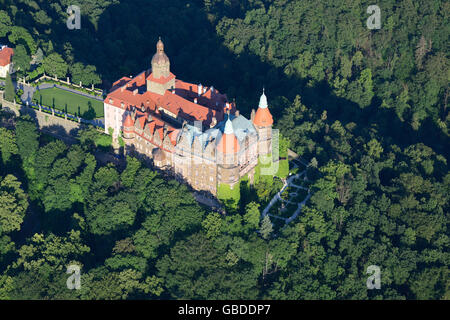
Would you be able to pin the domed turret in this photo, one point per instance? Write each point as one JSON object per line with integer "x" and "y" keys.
{"x": 228, "y": 144}
{"x": 160, "y": 62}
{"x": 128, "y": 128}
{"x": 263, "y": 117}
{"x": 128, "y": 123}
{"x": 263, "y": 123}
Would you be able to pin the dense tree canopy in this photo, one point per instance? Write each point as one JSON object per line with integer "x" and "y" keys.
{"x": 365, "y": 109}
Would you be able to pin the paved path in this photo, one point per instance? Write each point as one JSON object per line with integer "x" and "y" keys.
{"x": 277, "y": 197}
{"x": 28, "y": 92}
{"x": 300, "y": 206}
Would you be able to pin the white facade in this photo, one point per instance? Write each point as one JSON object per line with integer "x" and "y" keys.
{"x": 6, "y": 69}
{"x": 114, "y": 118}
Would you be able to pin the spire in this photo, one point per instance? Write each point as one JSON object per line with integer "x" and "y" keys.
{"x": 159, "y": 46}
{"x": 228, "y": 143}
{"x": 262, "y": 101}
{"x": 128, "y": 121}
{"x": 228, "y": 125}
{"x": 160, "y": 62}
{"x": 263, "y": 117}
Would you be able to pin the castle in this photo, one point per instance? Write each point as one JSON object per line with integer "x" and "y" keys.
{"x": 188, "y": 129}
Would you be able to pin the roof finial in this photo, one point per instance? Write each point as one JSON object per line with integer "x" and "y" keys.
{"x": 160, "y": 46}
{"x": 263, "y": 100}
{"x": 228, "y": 125}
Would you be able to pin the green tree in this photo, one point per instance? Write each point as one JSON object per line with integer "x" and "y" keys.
{"x": 13, "y": 204}
{"x": 212, "y": 224}
{"x": 252, "y": 215}
{"x": 10, "y": 91}
{"x": 21, "y": 59}
{"x": 8, "y": 146}
{"x": 54, "y": 65}
{"x": 266, "y": 227}
{"x": 5, "y": 23}
{"x": 19, "y": 34}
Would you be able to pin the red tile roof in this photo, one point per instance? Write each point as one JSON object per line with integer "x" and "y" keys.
{"x": 162, "y": 79}
{"x": 179, "y": 103}
{"x": 128, "y": 123}
{"x": 228, "y": 144}
{"x": 263, "y": 117}
{"x": 5, "y": 56}
{"x": 156, "y": 124}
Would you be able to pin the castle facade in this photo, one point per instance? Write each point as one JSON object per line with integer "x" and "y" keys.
{"x": 188, "y": 129}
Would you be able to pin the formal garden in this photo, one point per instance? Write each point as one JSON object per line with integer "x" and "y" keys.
{"x": 285, "y": 204}
{"x": 77, "y": 104}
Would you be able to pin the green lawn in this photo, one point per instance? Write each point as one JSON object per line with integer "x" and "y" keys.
{"x": 73, "y": 103}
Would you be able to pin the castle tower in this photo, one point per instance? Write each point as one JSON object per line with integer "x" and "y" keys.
{"x": 262, "y": 120}
{"x": 227, "y": 155}
{"x": 161, "y": 79}
{"x": 128, "y": 131}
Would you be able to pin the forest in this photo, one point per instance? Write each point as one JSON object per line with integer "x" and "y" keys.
{"x": 367, "y": 109}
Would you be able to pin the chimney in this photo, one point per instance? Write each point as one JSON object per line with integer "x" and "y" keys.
{"x": 195, "y": 100}
{"x": 200, "y": 89}
{"x": 252, "y": 116}
{"x": 122, "y": 88}
{"x": 135, "y": 91}
{"x": 205, "y": 89}
{"x": 212, "y": 89}
{"x": 236, "y": 113}
{"x": 149, "y": 118}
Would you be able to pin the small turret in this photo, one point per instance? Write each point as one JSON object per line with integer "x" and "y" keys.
{"x": 228, "y": 144}
{"x": 262, "y": 120}
{"x": 227, "y": 155}
{"x": 263, "y": 117}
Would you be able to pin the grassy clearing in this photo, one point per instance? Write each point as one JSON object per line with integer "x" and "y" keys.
{"x": 86, "y": 108}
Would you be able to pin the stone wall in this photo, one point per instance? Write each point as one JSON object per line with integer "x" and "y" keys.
{"x": 47, "y": 122}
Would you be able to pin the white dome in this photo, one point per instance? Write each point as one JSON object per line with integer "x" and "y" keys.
{"x": 228, "y": 127}
{"x": 263, "y": 101}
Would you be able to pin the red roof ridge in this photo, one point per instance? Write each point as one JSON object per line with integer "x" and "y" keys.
{"x": 5, "y": 56}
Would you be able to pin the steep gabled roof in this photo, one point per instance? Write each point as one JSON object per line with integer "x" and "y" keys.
{"x": 6, "y": 56}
